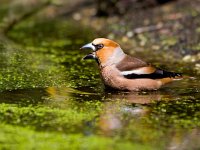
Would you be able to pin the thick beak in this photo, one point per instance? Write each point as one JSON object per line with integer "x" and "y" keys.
{"x": 91, "y": 55}
{"x": 88, "y": 46}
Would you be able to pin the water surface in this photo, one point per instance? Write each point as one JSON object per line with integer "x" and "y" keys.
{"x": 47, "y": 88}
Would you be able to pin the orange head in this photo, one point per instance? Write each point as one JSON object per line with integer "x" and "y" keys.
{"x": 104, "y": 50}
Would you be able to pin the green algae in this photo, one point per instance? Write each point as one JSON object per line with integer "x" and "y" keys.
{"x": 52, "y": 99}
{"x": 182, "y": 113}
{"x": 25, "y": 70}
{"x": 46, "y": 118}
{"x": 55, "y": 51}
{"x": 23, "y": 138}
{"x": 46, "y": 63}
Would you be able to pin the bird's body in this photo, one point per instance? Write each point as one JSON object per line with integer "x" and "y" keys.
{"x": 122, "y": 72}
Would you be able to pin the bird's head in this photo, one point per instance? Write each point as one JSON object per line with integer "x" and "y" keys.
{"x": 104, "y": 50}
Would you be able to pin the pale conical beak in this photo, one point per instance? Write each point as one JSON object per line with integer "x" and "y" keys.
{"x": 89, "y": 46}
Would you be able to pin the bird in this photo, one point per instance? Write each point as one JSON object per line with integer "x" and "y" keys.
{"x": 120, "y": 71}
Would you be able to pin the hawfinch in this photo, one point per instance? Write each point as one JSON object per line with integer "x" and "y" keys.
{"x": 122, "y": 72}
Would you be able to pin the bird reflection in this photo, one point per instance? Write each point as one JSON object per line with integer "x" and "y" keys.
{"x": 133, "y": 105}
{"x": 114, "y": 105}
{"x": 136, "y": 97}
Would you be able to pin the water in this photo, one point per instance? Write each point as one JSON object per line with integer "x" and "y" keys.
{"x": 166, "y": 119}
{"x": 47, "y": 87}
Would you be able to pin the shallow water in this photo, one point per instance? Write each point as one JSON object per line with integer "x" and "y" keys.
{"x": 47, "y": 87}
{"x": 163, "y": 119}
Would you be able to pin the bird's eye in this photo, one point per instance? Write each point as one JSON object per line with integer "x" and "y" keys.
{"x": 100, "y": 46}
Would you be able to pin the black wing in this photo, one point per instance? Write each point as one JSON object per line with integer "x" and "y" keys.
{"x": 158, "y": 74}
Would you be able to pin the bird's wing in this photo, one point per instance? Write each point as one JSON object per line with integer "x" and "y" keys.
{"x": 134, "y": 68}
{"x": 130, "y": 63}
{"x": 157, "y": 74}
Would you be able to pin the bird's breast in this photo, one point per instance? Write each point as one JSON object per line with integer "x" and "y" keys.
{"x": 110, "y": 76}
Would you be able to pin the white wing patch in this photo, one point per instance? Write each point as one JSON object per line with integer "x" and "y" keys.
{"x": 132, "y": 72}
{"x": 139, "y": 71}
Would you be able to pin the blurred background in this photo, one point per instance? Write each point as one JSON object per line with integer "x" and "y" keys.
{"x": 140, "y": 24}
{"x": 51, "y": 99}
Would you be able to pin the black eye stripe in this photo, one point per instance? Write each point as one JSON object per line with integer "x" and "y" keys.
{"x": 98, "y": 46}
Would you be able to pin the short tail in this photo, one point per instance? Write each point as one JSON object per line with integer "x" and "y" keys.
{"x": 174, "y": 76}
{"x": 180, "y": 76}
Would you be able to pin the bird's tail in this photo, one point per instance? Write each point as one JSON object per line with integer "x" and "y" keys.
{"x": 180, "y": 77}
{"x": 174, "y": 77}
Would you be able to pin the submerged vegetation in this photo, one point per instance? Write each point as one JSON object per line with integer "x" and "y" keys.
{"x": 51, "y": 99}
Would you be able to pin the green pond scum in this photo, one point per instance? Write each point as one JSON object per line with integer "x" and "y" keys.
{"x": 51, "y": 99}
